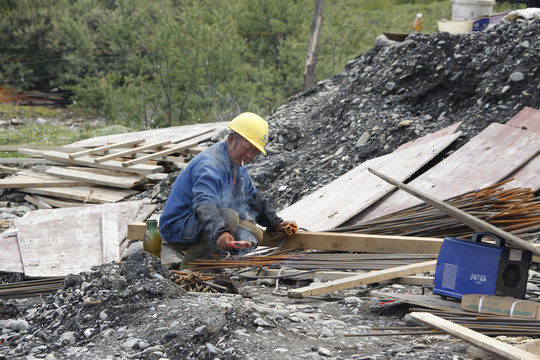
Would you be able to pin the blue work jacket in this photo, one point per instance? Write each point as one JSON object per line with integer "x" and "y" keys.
{"x": 209, "y": 177}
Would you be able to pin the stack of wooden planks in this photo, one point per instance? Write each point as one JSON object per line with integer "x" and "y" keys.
{"x": 109, "y": 173}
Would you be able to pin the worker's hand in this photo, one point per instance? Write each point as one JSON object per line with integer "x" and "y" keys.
{"x": 282, "y": 225}
{"x": 223, "y": 241}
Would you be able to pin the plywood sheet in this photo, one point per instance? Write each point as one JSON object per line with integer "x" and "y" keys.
{"x": 527, "y": 176}
{"x": 485, "y": 160}
{"x": 527, "y": 118}
{"x": 354, "y": 191}
{"x": 10, "y": 256}
{"x": 58, "y": 242}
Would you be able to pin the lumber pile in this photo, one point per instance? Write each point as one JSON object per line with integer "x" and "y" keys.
{"x": 73, "y": 176}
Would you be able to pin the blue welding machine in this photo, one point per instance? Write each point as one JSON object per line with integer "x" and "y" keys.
{"x": 476, "y": 267}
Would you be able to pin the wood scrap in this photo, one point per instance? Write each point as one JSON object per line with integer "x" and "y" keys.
{"x": 474, "y": 337}
{"x": 106, "y": 148}
{"x": 85, "y": 194}
{"x": 176, "y": 149}
{"x": 142, "y": 169}
{"x": 114, "y": 180}
{"x": 8, "y": 170}
{"x": 362, "y": 279}
{"x": 37, "y": 202}
{"x": 26, "y": 180}
{"x": 57, "y": 203}
{"x": 143, "y": 147}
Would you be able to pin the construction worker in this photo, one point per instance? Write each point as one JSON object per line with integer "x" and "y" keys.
{"x": 214, "y": 203}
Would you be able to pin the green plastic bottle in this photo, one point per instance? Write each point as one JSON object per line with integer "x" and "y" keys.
{"x": 152, "y": 239}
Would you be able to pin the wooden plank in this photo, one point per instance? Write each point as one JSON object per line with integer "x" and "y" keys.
{"x": 527, "y": 176}
{"x": 150, "y": 146}
{"x": 174, "y": 134}
{"x": 469, "y": 220}
{"x": 528, "y": 118}
{"x": 362, "y": 279}
{"x": 385, "y": 244}
{"x": 485, "y": 160}
{"x": 177, "y": 149}
{"x": 29, "y": 161}
{"x": 330, "y": 206}
{"x": 136, "y": 230}
{"x": 16, "y": 148}
{"x": 482, "y": 341}
{"x": 109, "y": 237}
{"x": 10, "y": 256}
{"x": 202, "y": 135}
{"x": 106, "y": 148}
{"x": 123, "y": 181}
{"x": 429, "y": 137}
{"x": 142, "y": 169}
{"x": 37, "y": 202}
{"x": 8, "y": 170}
{"x": 196, "y": 150}
{"x": 26, "y": 181}
{"x": 57, "y": 203}
{"x": 58, "y": 242}
{"x": 85, "y": 194}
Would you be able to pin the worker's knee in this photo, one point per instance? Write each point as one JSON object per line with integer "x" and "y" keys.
{"x": 249, "y": 231}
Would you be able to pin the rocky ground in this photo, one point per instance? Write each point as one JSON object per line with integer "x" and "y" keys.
{"x": 383, "y": 98}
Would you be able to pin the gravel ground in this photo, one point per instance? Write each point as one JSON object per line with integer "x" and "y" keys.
{"x": 382, "y": 99}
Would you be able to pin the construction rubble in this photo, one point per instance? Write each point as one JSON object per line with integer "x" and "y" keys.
{"x": 413, "y": 149}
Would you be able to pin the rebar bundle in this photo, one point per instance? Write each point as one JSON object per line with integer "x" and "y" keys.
{"x": 31, "y": 287}
{"x": 515, "y": 210}
{"x": 317, "y": 261}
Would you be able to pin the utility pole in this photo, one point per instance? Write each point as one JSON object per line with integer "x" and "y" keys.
{"x": 313, "y": 47}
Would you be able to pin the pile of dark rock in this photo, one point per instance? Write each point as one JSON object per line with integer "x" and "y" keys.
{"x": 395, "y": 94}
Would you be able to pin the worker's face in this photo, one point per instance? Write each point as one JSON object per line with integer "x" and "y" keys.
{"x": 241, "y": 150}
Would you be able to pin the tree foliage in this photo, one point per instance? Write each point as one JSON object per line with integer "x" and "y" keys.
{"x": 168, "y": 62}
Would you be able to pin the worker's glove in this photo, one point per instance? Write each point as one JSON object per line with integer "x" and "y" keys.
{"x": 224, "y": 240}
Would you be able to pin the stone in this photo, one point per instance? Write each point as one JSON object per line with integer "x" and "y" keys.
{"x": 516, "y": 76}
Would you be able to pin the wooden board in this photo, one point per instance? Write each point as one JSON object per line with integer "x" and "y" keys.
{"x": 86, "y": 194}
{"x": 106, "y": 148}
{"x": 58, "y": 242}
{"x": 174, "y": 134}
{"x": 117, "y": 181}
{"x": 482, "y": 341}
{"x": 331, "y": 206}
{"x": 362, "y": 279}
{"x": 57, "y": 202}
{"x": 10, "y": 256}
{"x": 142, "y": 169}
{"x": 430, "y": 137}
{"x": 26, "y": 181}
{"x": 485, "y": 160}
{"x": 528, "y": 118}
{"x": 385, "y": 244}
{"x": 527, "y": 176}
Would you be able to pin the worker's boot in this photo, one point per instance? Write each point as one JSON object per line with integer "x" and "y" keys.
{"x": 205, "y": 247}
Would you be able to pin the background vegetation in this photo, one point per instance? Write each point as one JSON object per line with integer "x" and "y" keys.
{"x": 160, "y": 63}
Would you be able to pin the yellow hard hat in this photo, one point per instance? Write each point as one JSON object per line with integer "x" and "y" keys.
{"x": 251, "y": 127}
